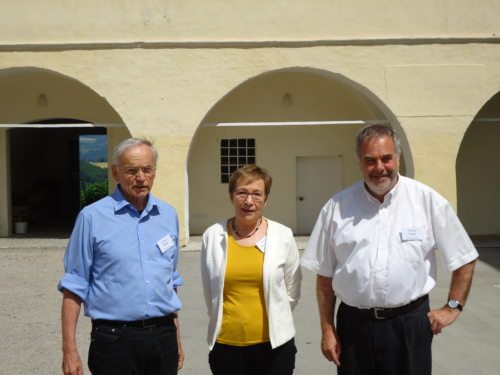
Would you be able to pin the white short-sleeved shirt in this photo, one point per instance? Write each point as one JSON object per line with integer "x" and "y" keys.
{"x": 384, "y": 254}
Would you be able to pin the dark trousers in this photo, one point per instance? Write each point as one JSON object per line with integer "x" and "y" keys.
{"x": 258, "y": 359}
{"x": 133, "y": 351}
{"x": 400, "y": 345}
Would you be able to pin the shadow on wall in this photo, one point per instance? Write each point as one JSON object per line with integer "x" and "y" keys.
{"x": 490, "y": 255}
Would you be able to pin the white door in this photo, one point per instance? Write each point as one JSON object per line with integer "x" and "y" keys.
{"x": 318, "y": 178}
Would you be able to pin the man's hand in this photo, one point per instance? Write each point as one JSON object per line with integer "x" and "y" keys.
{"x": 180, "y": 362}
{"x": 180, "y": 352}
{"x": 330, "y": 346}
{"x": 72, "y": 364}
{"x": 442, "y": 318}
{"x": 461, "y": 280}
{"x": 330, "y": 343}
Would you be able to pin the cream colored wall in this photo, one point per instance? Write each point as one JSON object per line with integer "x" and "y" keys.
{"x": 435, "y": 104}
{"x": 478, "y": 179}
{"x": 29, "y": 95}
{"x": 197, "y": 52}
{"x": 296, "y": 94}
{"x": 166, "y": 93}
{"x": 276, "y": 150}
{"x": 184, "y": 21}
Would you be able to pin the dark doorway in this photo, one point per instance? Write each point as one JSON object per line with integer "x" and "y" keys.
{"x": 45, "y": 178}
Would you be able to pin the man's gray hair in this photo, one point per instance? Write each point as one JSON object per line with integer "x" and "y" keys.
{"x": 128, "y": 143}
{"x": 377, "y": 131}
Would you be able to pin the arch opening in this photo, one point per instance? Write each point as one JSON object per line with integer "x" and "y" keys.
{"x": 478, "y": 175}
{"x": 302, "y": 123}
{"x": 44, "y": 115}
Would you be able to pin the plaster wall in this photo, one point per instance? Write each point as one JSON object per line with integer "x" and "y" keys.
{"x": 435, "y": 142}
{"x": 294, "y": 94}
{"x": 30, "y": 95}
{"x": 166, "y": 93}
{"x": 277, "y": 149}
{"x": 186, "y": 21}
{"x": 478, "y": 179}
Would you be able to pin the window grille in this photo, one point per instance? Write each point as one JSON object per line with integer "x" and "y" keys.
{"x": 235, "y": 153}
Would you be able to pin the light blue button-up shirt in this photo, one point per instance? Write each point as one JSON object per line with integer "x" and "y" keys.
{"x": 122, "y": 263}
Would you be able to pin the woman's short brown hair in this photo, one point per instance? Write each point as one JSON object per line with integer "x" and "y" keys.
{"x": 250, "y": 173}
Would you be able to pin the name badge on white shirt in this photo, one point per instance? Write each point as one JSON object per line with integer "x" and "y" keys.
{"x": 412, "y": 234}
{"x": 261, "y": 244}
{"x": 165, "y": 243}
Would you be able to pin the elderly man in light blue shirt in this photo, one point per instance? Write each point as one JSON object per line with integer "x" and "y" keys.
{"x": 121, "y": 262}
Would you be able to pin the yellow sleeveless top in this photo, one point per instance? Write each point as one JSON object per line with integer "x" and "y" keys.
{"x": 244, "y": 316}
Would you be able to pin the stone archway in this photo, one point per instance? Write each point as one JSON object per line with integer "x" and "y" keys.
{"x": 478, "y": 174}
{"x": 42, "y": 112}
{"x": 288, "y": 114}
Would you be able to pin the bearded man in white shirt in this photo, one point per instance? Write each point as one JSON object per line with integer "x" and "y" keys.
{"x": 374, "y": 248}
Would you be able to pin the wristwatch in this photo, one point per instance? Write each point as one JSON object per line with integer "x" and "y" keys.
{"x": 454, "y": 304}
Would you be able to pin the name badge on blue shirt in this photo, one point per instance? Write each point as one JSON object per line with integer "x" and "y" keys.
{"x": 412, "y": 234}
{"x": 166, "y": 243}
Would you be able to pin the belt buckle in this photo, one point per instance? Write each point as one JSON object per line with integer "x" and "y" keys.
{"x": 145, "y": 325}
{"x": 377, "y": 311}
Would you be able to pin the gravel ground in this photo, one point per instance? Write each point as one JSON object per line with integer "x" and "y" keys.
{"x": 30, "y": 316}
{"x": 30, "y": 311}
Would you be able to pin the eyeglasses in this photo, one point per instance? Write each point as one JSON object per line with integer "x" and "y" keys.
{"x": 242, "y": 196}
{"x": 147, "y": 171}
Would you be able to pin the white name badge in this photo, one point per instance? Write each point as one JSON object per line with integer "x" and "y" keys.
{"x": 412, "y": 234}
{"x": 261, "y": 244}
{"x": 165, "y": 243}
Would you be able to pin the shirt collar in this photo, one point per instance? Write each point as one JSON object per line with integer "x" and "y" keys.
{"x": 122, "y": 202}
{"x": 394, "y": 191}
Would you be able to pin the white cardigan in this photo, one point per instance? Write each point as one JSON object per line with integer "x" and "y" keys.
{"x": 282, "y": 277}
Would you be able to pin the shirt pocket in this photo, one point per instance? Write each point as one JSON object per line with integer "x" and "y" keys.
{"x": 165, "y": 255}
{"x": 410, "y": 251}
{"x": 411, "y": 247}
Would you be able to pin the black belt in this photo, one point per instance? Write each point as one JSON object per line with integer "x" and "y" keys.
{"x": 146, "y": 323}
{"x": 380, "y": 313}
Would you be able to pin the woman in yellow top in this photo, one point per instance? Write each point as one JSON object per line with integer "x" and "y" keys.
{"x": 251, "y": 282}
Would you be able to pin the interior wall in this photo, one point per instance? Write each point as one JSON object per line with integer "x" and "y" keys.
{"x": 478, "y": 179}
{"x": 41, "y": 170}
{"x": 276, "y": 150}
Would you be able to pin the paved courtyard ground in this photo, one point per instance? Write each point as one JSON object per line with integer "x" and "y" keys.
{"x": 30, "y": 316}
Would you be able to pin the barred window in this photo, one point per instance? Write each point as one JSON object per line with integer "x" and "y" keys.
{"x": 235, "y": 153}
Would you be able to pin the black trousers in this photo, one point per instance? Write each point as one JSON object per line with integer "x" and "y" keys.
{"x": 258, "y": 359}
{"x": 133, "y": 351}
{"x": 400, "y": 345}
